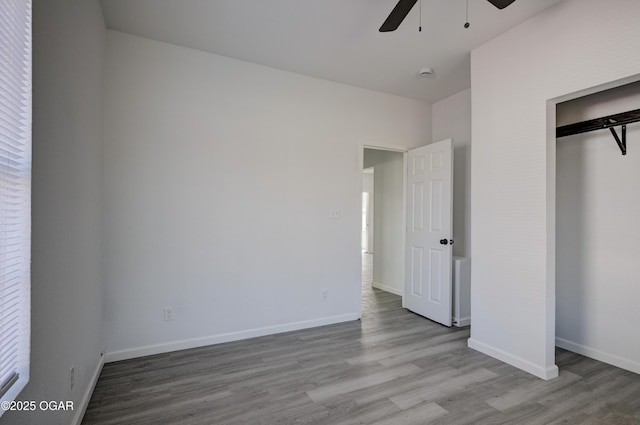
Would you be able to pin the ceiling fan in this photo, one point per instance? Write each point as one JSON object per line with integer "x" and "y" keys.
{"x": 403, "y": 8}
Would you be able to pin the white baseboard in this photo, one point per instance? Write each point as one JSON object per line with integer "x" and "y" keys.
{"x": 149, "y": 350}
{"x": 387, "y": 288}
{"x": 465, "y": 321}
{"x": 596, "y": 354}
{"x": 86, "y": 397}
{"x": 520, "y": 363}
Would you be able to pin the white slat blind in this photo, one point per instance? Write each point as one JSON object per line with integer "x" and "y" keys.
{"x": 15, "y": 195}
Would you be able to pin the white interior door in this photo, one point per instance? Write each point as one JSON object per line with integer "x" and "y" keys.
{"x": 429, "y": 231}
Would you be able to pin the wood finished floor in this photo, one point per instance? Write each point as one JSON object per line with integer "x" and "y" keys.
{"x": 392, "y": 367}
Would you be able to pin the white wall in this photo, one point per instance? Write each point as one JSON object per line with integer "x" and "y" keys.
{"x": 367, "y": 186}
{"x": 575, "y": 46}
{"x": 66, "y": 291}
{"x": 219, "y": 179}
{"x": 598, "y": 205}
{"x": 451, "y": 119}
{"x": 388, "y": 234}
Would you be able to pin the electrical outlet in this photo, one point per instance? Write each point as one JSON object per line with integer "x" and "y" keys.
{"x": 334, "y": 214}
{"x": 72, "y": 377}
{"x": 168, "y": 314}
{"x": 325, "y": 294}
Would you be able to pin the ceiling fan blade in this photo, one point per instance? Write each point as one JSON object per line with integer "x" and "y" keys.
{"x": 501, "y": 4}
{"x": 397, "y": 15}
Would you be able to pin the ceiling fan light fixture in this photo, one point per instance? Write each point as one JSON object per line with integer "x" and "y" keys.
{"x": 403, "y": 7}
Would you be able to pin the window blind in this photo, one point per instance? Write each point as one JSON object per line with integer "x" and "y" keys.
{"x": 15, "y": 195}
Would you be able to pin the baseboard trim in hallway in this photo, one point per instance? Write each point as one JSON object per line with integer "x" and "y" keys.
{"x": 382, "y": 287}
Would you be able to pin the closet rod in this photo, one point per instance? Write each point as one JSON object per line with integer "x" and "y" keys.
{"x": 609, "y": 122}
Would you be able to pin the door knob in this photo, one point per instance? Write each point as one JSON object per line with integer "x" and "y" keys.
{"x": 444, "y": 241}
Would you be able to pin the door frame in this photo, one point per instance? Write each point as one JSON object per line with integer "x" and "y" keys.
{"x": 368, "y": 217}
{"x": 381, "y": 146}
{"x": 551, "y": 210}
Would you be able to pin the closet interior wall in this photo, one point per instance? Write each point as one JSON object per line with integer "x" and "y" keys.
{"x": 598, "y": 233}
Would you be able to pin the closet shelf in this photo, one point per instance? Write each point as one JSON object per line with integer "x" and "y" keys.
{"x": 609, "y": 122}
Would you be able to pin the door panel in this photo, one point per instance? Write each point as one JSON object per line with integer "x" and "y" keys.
{"x": 416, "y": 270}
{"x": 430, "y": 201}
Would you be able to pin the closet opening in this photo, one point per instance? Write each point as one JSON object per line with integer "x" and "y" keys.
{"x": 597, "y": 231}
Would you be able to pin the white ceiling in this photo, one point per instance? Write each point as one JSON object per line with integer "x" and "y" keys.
{"x": 336, "y": 40}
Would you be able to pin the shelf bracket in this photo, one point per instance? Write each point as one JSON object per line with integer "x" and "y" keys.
{"x": 611, "y": 121}
{"x": 622, "y": 143}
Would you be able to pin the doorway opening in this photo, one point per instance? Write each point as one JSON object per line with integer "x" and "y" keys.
{"x": 383, "y": 220}
{"x": 412, "y": 230}
{"x": 383, "y": 183}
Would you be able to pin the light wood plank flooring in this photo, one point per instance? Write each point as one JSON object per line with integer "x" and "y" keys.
{"x": 392, "y": 367}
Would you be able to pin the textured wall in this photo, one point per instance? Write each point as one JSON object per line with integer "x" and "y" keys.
{"x": 220, "y": 176}
{"x": 452, "y": 120}
{"x": 575, "y": 46}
